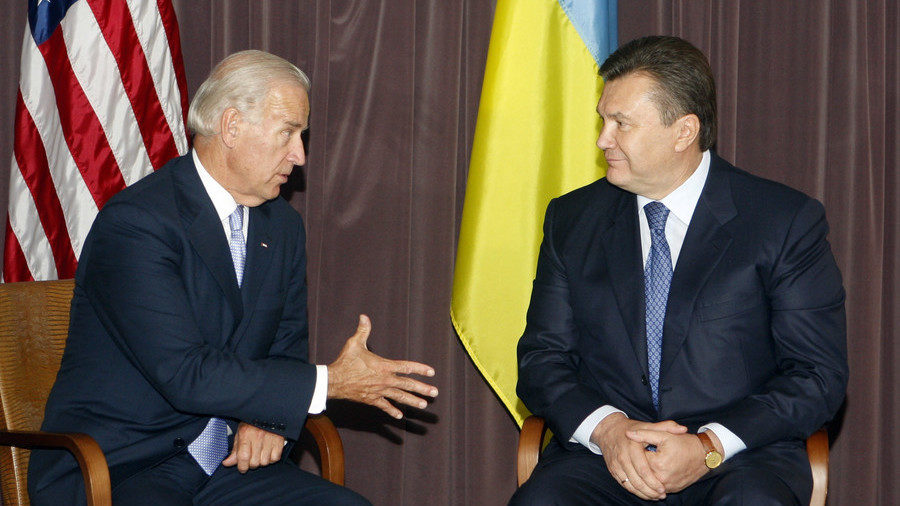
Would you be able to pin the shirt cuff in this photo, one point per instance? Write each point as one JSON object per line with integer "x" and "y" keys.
{"x": 320, "y": 394}
{"x": 583, "y": 432}
{"x": 731, "y": 444}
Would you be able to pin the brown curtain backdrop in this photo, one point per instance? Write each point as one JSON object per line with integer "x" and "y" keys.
{"x": 807, "y": 95}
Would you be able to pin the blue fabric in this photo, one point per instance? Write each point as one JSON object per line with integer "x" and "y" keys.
{"x": 236, "y": 243}
{"x": 657, "y": 279}
{"x": 596, "y": 21}
{"x": 45, "y": 16}
{"x": 211, "y": 446}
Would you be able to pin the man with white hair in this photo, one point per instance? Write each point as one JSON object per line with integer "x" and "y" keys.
{"x": 187, "y": 353}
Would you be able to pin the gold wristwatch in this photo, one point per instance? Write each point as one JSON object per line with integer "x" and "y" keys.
{"x": 713, "y": 457}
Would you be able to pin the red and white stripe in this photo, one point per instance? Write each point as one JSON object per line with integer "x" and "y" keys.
{"x": 101, "y": 104}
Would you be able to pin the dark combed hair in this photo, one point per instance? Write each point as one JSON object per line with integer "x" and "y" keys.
{"x": 684, "y": 80}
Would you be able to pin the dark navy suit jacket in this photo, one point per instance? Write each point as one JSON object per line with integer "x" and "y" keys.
{"x": 161, "y": 337}
{"x": 754, "y": 335}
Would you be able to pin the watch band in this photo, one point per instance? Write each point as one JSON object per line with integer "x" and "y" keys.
{"x": 713, "y": 458}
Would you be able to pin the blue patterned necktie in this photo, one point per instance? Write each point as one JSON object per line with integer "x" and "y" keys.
{"x": 211, "y": 446}
{"x": 657, "y": 278}
{"x": 238, "y": 250}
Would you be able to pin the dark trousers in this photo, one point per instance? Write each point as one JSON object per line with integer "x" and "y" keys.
{"x": 777, "y": 474}
{"x": 180, "y": 481}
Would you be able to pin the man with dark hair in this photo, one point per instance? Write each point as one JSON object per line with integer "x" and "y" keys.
{"x": 686, "y": 331}
{"x": 187, "y": 353}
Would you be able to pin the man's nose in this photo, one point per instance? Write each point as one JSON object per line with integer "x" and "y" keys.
{"x": 297, "y": 156}
{"x": 605, "y": 140}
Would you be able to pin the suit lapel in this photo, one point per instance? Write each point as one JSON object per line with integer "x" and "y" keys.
{"x": 205, "y": 231}
{"x": 259, "y": 255}
{"x": 705, "y": 243}
{"x": 625, "y": 270}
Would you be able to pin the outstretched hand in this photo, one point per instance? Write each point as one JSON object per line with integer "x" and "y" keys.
{"x": 362, "y": 376}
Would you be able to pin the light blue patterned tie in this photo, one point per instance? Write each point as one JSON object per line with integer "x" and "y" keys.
{"x": 657, "y": 278}
{"x": 238, "y": 250}
{"x": 211, "y": 446}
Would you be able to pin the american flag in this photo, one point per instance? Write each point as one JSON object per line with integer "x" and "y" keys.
{"x": 101, "y": 103}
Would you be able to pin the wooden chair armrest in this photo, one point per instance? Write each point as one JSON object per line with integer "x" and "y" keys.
{"x": 331, "y": 448}
{"x": 530, "y": 439}
{"x": 88, "y": 453}
{"x": 817, "y": 449}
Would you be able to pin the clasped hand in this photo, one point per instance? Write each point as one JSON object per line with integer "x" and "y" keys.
{"x": 362, "y": 376}
{"x": 675, "y": 464}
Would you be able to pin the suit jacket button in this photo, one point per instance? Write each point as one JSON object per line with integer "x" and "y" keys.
{"x": 178, "y": 442}
{"x": 643, "y": 380}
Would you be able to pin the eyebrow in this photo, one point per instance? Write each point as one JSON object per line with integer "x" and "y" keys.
{"x": 617, "y": 116}
{"x": 294, "y": 124}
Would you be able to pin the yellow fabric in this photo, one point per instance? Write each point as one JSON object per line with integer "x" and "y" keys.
{"x": 534, "y": 140}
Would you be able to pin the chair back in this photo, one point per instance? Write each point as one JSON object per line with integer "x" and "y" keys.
{"x": 34, "y": 324}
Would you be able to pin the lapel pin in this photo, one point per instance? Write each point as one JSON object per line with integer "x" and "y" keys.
{"x": 264, "y": 245}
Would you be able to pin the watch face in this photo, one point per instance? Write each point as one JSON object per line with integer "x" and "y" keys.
{"x": 713, "y": 459}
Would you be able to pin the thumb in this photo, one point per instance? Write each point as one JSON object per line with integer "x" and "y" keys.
{"x": 363, "y": 330}
{"x": 653, "y": 437}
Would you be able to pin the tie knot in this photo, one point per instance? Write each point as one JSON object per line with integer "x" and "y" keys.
{"x": 236, "y": 220}
{"x": 657, "y": 213}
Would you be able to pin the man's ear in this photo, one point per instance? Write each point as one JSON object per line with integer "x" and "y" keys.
{"x": 229, "y": 126}
{"x": 688, "y": 131}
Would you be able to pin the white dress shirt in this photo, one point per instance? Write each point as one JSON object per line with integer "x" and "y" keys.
{"x": 225, "y": 206}
{"x": 681, "y": 203}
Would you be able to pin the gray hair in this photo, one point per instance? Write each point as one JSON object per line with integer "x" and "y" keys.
{"x": 242, "y": 80}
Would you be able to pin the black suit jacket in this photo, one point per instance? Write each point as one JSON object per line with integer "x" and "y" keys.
{"x": 754, "y": 333}
{"x": 161, "y": 336}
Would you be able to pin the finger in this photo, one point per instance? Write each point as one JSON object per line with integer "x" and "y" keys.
{"x": 243, "y": 456}
{"x": 415, "y": 386}
{"x": 253, "y": 463}
{"x": 633, "y": 484}
{"x": 231, "y": 459}
{"x": 669, "y": 426}
{"x": 388, "y": 408}
{"x": 653, "y": 437}
{"x": 410, "y": 367}
{"x": 673, "y": 427}
{"x": 404, "y": 397}
{"x": 641, "y": 475}
{"x": 275, "y": 454}
{"x": 271, "y": 450}
{"x": 363, "y": 329}
{"x": 627, "y": 485}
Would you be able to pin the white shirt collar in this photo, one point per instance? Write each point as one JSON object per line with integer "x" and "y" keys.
{"x": 221, "y": 199}
{"x": 683, "y": 200}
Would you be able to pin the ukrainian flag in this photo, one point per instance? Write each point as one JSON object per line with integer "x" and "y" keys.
{"x": 534, "y": 140}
